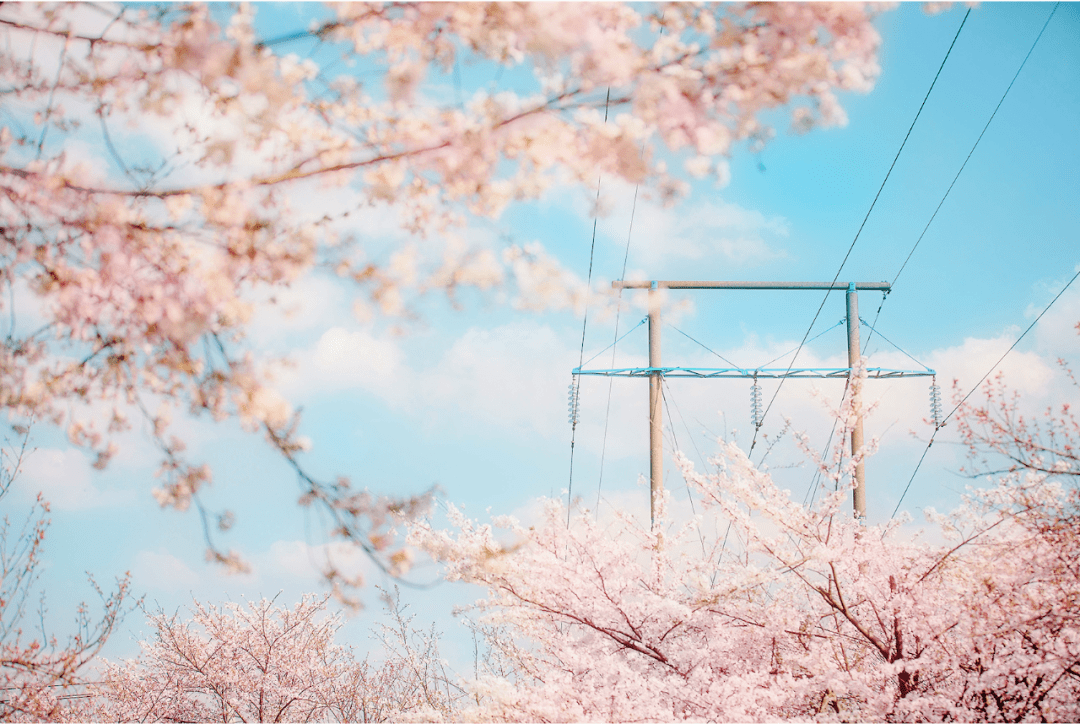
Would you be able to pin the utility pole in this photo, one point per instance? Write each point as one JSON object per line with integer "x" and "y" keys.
{"x": 656, "y": 413}
{"x": 656, "y": 373}
{"x": 854, "y": 355}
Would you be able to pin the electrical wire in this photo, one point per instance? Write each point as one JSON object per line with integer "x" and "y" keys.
{"x": 796, "y": 349}
{"x": 725, "y": 359}
{"x": 675, "y": 438}
{"x": 811, "y": 492}
{"x": 618, "y": 312}
{"x": 611, "y": 381}
{"x": 863, "y": 224}
{"x": 962, "y": 167}
{"x": 584, "y": 326}
{"x": 704, "y": 462}
{"x": 977, "y": 385}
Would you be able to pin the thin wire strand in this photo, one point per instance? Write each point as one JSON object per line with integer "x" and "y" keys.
{"x": 811, "y": 492}
{"x": 977, "y": 385}
{"x": 816, "y": 480}
{"x": 675, "y": 440}
{"x": 611, "y": 381}
{"x": 796, "y": 349}
{"x": 962, "y": 167}
{"x": 1012, "y": 347}
{"x": 584, "y": 326}
{"x": 674, "y": 437}
{"x": 618, "y": 311}
{"x": 701, "y": 344}
{"x": 617, "y": 340}
{"x": 895, "y": 346}
{"x": 863, "y": 224}
{"x": 704, "y": 462}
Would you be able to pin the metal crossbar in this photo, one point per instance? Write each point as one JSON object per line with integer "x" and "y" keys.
{"x": 761, "y": 373}
{"x": 877, "y": 286}
{"x": 656, "y": 372}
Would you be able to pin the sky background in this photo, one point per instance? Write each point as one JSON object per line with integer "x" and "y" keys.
{"x": 473, "y": 399}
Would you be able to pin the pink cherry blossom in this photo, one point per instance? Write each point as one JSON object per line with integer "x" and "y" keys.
{"x": 762, "y": 609}
{"x": 150, "y": 164}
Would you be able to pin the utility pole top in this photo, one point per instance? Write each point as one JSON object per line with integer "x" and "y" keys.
{"x": 656, "y": 372}
{"x": 653, "y": 284}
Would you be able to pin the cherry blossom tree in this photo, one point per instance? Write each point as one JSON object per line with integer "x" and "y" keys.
{"x": 40, "y": 673}
{"x": 264, "y": 662}
{"x": 164, "y": 167}
{"x": 1001, "y": 437}
{"x": 760, "y": 608}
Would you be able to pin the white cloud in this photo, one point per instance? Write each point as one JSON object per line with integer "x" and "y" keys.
{"x": 708, "y": 230}
{"x": 310, "y": 303}
{"x": 1027, "y": 372}
{"x": 162, "y": 571}
{"x": 1057, "y": 333}
{"x": 287, "y": 564}
{"x": 304, "y": 562}
{"x": 65, "y": 478}
{"x": 514, "y": 375}
{"x": 722, "y": 233}
{"x": 356, "y": 358}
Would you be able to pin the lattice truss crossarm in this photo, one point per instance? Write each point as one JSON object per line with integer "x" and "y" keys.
{"x": 760, "y": 373}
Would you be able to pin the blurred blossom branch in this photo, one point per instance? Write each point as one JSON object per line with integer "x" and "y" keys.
{"x": 221, "y": 167}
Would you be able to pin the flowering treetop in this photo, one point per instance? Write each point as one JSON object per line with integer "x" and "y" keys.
{"x": 762, "y": 609}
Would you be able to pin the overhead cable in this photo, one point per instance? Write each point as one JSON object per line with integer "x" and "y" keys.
{"x": 960, "y": 171}
{"x": 865, "y": 219}
{"x": 976, "y": 386}
{"x": 575, "y": 393}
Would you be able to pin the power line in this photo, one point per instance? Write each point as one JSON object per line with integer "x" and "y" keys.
{"x": 977, "y": 385}
{"x": 865, "y": 219}
{"x": 576, "y": 383}
{"x": 618, "y": 312}
{"x": 962, "y": 167}
{"x": 811, "y": 492}
{"x": 725, "y": 359}
{"x": 675, "y": 440}
{"x": 796, "y": 349}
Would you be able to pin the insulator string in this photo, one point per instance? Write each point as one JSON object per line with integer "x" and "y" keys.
{"x": 935, "y": 404}
{"x": 574, "y": 402}
{"x": 755, "y": 404}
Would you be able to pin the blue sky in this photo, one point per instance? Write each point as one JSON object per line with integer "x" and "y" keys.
{"x": 473, "y": 400}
